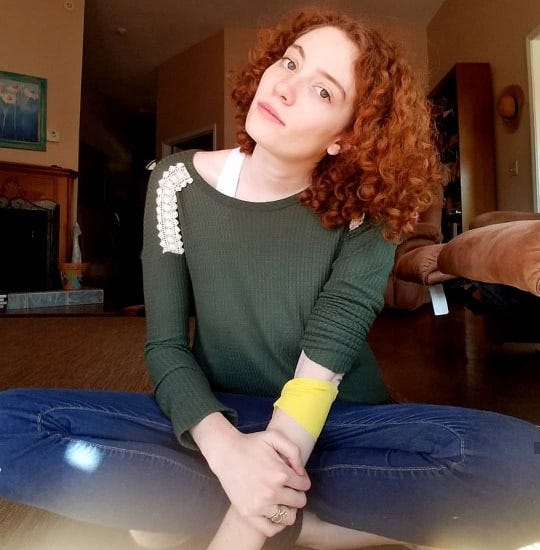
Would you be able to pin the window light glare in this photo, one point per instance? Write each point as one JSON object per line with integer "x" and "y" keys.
{"x": 83, "y": 456}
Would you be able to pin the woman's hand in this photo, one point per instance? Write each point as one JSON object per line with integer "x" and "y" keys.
{"x": 258, "y": 472}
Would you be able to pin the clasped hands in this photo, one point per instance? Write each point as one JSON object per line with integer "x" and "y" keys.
{"x": 261, "y": 472}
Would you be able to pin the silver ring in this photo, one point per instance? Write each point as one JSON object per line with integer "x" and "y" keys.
{"x": 279, "y": 515}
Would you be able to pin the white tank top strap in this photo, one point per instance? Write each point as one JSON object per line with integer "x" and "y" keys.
{"x": 230, "y": 173}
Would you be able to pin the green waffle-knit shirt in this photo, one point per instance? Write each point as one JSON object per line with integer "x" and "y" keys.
{"x": 264, "y": 281}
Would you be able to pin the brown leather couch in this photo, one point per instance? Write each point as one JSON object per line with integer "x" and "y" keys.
{"x": 497, "y": 251}
{"x": 410, "y": 292}
{"x": 503, "y": 247}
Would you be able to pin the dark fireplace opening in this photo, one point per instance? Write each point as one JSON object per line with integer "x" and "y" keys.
{"x": 29, "y": 246}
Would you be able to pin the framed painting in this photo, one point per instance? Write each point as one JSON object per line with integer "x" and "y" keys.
{"x": 23, "y": 111}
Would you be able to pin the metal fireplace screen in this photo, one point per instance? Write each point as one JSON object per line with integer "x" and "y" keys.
{"x": 28, "y": 246}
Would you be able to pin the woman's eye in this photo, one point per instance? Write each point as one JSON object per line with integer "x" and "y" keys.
{"x": 323, "y": 93}
{"x": 289, "y": 64}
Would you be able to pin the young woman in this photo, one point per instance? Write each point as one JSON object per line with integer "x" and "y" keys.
{"x": 282, "y": 250}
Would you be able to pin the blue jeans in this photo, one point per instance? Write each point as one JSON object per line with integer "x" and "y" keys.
{"x": 436, "y": 475}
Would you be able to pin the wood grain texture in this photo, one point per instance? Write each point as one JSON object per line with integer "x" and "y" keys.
{"x": 104, "y": 353}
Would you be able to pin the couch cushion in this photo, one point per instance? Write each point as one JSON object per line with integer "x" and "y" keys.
{"x": 506, "y": 253}
{"x": 502, "y": 216}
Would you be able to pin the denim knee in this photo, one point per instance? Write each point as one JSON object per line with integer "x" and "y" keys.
{"x": 14, "y": 406}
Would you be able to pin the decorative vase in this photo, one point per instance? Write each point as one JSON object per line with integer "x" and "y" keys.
{"x": 72, "y": 275}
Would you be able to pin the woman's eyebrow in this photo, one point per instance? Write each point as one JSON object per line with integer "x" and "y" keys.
{"x": 323, "y": 73}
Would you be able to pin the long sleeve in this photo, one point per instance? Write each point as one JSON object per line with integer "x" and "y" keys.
{"x": 350, "y": 300}
{"x": 181, "y": 387}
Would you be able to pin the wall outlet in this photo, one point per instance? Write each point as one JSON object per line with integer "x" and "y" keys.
{"x": 53, "y": 135}
{"x": 513, "y": 170}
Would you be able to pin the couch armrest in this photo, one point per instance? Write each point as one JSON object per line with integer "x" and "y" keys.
{"x": 506, "y": 253}
{"x": 420, "y": 266}
{"x": 410, "y": 292}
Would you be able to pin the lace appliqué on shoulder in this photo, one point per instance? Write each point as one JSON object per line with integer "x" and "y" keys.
{"x": 357, "y": 222}
{"x": 173, "y": 180}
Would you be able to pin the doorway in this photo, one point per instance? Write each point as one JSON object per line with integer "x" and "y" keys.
{"x": 203, "y": 139}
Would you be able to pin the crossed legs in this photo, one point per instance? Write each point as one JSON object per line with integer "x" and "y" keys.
{"x": 439, "y": 476}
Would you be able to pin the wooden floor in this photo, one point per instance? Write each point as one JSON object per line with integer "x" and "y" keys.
{"x": 445, "y": 360}
{"x": 451, "y": 360}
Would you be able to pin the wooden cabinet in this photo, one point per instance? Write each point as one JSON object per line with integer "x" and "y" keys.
{"x": 33, "y": 183}
{"x": 462, "y": 105}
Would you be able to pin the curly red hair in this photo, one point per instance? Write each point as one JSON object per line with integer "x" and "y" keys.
{"x": 390, "y": 167}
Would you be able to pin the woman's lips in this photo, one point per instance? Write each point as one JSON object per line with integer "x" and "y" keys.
{"x": 269, "y": 113}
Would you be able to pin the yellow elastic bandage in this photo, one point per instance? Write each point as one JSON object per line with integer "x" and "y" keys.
{"x": 307, "y": 401}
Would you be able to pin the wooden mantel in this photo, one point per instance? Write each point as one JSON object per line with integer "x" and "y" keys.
{"x": 33, "y": 182}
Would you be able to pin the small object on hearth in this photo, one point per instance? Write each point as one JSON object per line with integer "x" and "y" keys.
{"x": 72, "y": 273}
{"x": 76, "y": 253}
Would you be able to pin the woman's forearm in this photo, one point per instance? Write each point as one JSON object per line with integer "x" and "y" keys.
{"x": 235, "y": 532}
{"x": 234, "y": 524}
{"x": 213, "y": 435}
{"x": 307, "y": 368}
{"x": 282, "y": 422}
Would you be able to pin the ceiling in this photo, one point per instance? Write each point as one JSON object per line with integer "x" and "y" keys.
{"x": 121, "y": 63}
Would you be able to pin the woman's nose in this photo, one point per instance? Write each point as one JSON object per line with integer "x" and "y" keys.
{"x": 284, "y": 89}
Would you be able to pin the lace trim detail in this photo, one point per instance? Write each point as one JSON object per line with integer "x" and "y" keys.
{"x": 357, "y": 222}
{"x": 173, "y": 180}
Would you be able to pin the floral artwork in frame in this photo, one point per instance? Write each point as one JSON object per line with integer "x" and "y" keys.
{"x": 23, "y": 101}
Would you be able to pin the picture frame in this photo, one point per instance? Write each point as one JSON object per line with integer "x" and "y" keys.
{"x": 23, "y": 111}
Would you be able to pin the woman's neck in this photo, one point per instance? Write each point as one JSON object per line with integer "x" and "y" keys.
{"x": 265, "y": 177}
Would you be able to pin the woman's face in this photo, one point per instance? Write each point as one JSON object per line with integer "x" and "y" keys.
{"x": 305, "y": 100}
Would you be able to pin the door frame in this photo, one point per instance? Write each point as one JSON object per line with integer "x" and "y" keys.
{"x": 533, "y": 70}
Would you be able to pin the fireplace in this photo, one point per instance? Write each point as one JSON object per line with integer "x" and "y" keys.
{"x": 29, "y": 246}
{"x": 36, "y": 183}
